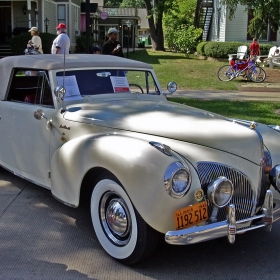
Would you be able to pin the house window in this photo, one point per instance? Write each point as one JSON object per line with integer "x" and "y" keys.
{"x": 61, "y": 14}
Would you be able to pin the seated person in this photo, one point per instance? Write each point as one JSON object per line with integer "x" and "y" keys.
{"x": 276, "y": 54}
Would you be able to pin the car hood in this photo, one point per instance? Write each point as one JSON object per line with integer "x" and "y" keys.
{"x": 173, "y": 121}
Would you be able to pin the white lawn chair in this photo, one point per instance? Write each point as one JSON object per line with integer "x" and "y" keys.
{"x": 269, "y": 60}
{"x": 273, "y": 59}
{"x": 241, "y": 52}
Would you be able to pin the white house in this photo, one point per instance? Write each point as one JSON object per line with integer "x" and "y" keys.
{"x": 218, "y": 27}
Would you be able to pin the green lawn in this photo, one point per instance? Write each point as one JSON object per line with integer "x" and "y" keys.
{"x": 194, "y": 73}
{"x": 258, "y": 111}
{"x": 188, "y": 73}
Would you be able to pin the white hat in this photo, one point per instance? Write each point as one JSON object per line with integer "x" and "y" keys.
{"x": 33, "y": 29}
{"x": 113, "y": 30}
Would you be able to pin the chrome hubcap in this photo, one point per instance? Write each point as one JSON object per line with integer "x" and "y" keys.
{"x": 115, "y": 218}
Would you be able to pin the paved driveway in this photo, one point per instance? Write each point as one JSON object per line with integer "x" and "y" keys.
{"x": 40, "y": 238}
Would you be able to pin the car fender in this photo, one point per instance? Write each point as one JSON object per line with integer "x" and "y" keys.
{"x": 138, "y": 166}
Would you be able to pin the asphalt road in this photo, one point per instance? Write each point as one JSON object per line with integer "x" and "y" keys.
{"x": 40, "y": 238}
{"x": 259, "y": 93}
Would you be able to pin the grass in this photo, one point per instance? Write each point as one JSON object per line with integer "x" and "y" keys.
{"x": 263, "y": 112}
{"x": 188, "y": 73}
{"x": 195, "y": 73}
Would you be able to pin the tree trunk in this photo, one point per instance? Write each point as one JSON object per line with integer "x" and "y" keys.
{"x": 155, "y": 25}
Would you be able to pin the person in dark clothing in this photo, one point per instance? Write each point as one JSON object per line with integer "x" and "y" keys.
{"x": 112, "y": 46}
{"x": 95, "y": 50}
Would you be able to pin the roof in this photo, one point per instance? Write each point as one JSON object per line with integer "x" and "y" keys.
{"x": 54, "y": 62}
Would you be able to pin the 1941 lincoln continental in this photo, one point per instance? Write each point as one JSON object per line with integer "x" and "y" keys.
{"x": 100, "y": 127}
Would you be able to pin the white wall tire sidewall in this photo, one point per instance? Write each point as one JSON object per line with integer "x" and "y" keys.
{"x": 113, "y": 250}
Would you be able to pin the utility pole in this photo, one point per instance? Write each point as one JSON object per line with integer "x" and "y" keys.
{"x": 87, "y": 25}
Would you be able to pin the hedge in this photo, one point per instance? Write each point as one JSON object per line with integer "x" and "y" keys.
{"x": 222, "y": 49}
{"x": 19, "y": 42}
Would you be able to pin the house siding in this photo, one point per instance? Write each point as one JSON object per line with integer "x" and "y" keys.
{"x": 218, "y": 23}
{"x": 74, "y": 31}
{"x": 236, "y": 29}
{"x": 51, "y": 12}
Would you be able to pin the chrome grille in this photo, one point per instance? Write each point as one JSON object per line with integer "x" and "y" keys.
{"x": 243, "y": 197}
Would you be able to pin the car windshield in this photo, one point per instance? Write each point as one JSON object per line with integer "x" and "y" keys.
{"x": 106, "y": 81}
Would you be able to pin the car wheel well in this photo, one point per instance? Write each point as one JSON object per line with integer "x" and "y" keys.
{"x": 89, "y": 181}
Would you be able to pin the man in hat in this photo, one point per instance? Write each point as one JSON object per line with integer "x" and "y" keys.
{"x": 61, "y": 43}
{"x": 112, "y": 46}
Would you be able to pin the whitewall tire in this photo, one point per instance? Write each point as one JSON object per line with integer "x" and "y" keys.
{"x": 120, "y": 229}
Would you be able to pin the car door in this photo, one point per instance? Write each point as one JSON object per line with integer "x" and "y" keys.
{"x": 24, "y": 141}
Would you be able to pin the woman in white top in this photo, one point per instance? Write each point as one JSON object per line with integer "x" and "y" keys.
{"x": 35, "y": 41}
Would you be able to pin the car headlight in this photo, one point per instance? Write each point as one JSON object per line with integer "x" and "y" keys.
{"x": 220, "y": 191}
{"x": 177, "y": 179}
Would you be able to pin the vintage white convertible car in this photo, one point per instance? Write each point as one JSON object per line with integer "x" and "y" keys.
{"x": 100, "y": 128}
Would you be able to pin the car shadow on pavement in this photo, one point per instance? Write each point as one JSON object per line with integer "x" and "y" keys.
{"x": 44, "y": 239}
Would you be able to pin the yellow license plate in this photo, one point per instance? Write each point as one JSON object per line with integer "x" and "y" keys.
{"x": 191, "y": 215}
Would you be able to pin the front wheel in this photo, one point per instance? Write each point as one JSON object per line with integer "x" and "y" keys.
{"x": 257, "y": 74}
{"x": 120, "y": 229}
{"x": 226, "y": 73}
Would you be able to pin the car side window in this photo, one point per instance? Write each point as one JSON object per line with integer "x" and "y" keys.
{"x": 30, "y": 86}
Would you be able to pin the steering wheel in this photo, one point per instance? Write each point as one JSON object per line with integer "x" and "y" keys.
{"x": 137, "y": 86}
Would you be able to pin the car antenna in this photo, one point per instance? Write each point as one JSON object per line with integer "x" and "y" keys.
{"x": 63, "y": 107}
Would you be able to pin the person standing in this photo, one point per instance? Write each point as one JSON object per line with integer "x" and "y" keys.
{"x": 95, "y": 50}
{"x": 255, "y": 48}
{"x": 35, "y": 41}
{"x": 61, "y": 44}
{"x": 112, "y": 46}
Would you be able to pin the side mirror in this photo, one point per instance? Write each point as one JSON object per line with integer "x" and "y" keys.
{"x": 172, "y": 87}
{"x": 59, "y": 92}
{"x": 39, "y": 114}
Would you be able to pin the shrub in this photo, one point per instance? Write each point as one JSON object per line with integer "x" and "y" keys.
{"x": 182, "y": 38}
{"x": 200, "y": 48}
{"x": 187, "y": 38}
{"x": 222, "y": 49}
{"x": 81, "y": 43}
{"x": 19, "y": 42}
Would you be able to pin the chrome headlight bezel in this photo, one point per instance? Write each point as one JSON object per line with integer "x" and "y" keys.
{"x": 214, "y": 191}
{"x": 173, "y": 170}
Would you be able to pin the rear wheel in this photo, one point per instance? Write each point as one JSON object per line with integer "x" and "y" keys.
{"x": 120, "y": 229}
{"x": 257, "y": 74}
{"x": 226, "y": 73}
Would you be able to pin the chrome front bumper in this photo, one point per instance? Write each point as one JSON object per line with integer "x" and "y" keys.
{"x": 229, "y": 227}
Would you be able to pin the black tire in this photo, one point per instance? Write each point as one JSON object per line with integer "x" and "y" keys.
{"x": 257, "y": 75}
{"x": 120, "y": 229}
{"x": 226, "y": 73}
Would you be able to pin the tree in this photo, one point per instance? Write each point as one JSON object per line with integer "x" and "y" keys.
{"x": 133, "y": 3}
{"x": 155, "y": 19}
{"x": 264, "y": 12}
{"x": 180, "y": 33}
{"x": 112, "y": 3}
